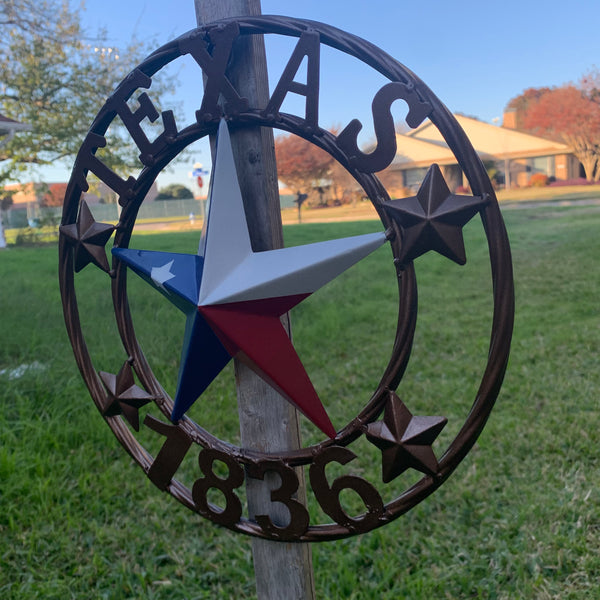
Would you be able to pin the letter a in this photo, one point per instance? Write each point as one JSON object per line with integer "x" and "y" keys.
{"x": 308, "y": 45}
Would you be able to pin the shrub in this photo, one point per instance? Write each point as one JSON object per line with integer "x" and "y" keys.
{"x": 174, "y": 191}
{"x": 538, "y": 180}
{"x": 576, "y": 181}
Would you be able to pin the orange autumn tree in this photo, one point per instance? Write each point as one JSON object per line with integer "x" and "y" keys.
{"x": 54, "y": 195}
{"x": 523, "y": 102}
{"x": 568, "y": 114}
{"x": 302, "y": 166}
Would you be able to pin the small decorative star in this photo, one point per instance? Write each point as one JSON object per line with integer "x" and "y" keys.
{"x": 88, "y": 238}
{"x": 234, "y": 297}
{"x": 123, "y": 395}
{"x": 433, "y": 219}
{"x": 405, "y": 441}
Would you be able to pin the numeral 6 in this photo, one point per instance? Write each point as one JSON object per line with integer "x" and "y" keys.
{"x": 328, "y": 496}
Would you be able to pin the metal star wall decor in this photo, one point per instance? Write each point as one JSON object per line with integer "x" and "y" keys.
{"x": 88, "y": 238}
{"x": 233, "y": 297}
{"x": 123, "y": 396}
{"x": 433, "y": 219}
{"x": 405, "y": 440}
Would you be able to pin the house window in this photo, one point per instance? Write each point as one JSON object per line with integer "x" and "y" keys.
{"x": 414, "y": 177}
{"x": 542, "y": 164}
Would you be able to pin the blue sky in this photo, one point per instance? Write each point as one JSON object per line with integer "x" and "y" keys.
{"x": 474, "y": 55}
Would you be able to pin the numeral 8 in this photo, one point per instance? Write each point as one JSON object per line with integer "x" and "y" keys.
{"x": 233, "y": 507}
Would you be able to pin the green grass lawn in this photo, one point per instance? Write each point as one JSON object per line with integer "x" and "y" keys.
{"x": 520, "y": 518}
{"x": 565, "y": 193}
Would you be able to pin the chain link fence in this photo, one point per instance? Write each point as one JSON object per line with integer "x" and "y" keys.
{"x": 31, "y": 215}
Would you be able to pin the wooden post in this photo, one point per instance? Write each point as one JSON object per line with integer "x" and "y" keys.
{"x": 267, "y": 422}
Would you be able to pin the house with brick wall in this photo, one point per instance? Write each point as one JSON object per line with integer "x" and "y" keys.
{"x": 516, "y": 155}
{"x": 52, "y": 194}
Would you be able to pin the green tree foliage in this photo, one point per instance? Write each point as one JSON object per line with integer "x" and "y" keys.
{"x": 56, "y": 78}
{"x": 6, "y": 200}
{"x": 174, "y": 191}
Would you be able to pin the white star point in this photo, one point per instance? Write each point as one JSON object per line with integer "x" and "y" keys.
{"x": 160, "y": 275}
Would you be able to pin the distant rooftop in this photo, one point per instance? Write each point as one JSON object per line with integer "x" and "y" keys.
{"x": 8, "y": 127}
{"x": 4, "y": 119}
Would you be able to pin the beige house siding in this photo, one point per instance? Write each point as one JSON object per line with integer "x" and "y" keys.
{"x": 493, "y": 141}
{"x": 515, "y": 153}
